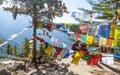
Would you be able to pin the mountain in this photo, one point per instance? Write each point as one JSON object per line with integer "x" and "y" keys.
{"x": 13, "y": 43}
{"x": 9, "y": 26}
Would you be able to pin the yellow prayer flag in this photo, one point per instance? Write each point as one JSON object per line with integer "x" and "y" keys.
{"x": 112, "y": 30}
{"x": 89, "y": 40}
{"x": 49, "y": 50}
{"x": 77, "y": 56}
{"x": 114, "y": 42}
{"x": 117, "y": 34}
{"x": 102, "y": 41}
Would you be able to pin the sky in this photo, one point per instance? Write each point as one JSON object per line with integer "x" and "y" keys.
{"x": 72, "y": 6}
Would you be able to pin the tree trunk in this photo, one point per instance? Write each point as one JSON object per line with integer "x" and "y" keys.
{"x": 34, "y": 36}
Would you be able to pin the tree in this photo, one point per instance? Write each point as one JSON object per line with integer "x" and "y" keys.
{"x": 9, "y": 49}
{"x": 41, "y": 48}
{"x": 106, "y": 7}
{"x": 25, "y": 47}
{"x": 1, "y": 40}
{"x": 15, "y": 50}
{"x": 41, "y": 11}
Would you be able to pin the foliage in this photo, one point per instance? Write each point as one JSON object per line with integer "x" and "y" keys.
{"x": 15, "y": 50}
{"x": 74, "y": 27}
{"x": 107, "y": 8}
{"x": 25, "y": 47}
{"x": 9, "y": 49}
{"x": 1, "y": 40}
{"x": 41, "y": 48}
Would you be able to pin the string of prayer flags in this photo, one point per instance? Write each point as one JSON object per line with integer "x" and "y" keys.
{"x": 102, "y": 41}
{"x": 112, "y": 30}
{"x": 117, "y": 32}
{"x": 83, "y": 38}
{"x": 49, "y": 50}
{"x": 89, "y": 40}
{"x": 76, "y": 57}
{"x": 104, "y": 30}
{"x": 109, "y": 42}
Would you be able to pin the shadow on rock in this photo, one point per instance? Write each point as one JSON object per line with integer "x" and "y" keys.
{"x": 53, "y": 69}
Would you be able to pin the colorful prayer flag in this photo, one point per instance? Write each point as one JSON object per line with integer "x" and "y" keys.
{"x": 58, "y": 51}
{"x": 102, "y": 41}
{"x": 83, "y": 38}
{"x": 109, "y": 42}
{"x": 117, "y": 32}
{"x": 89, "y": 39}
{"x": 92, "y": 30}
{"x": 69, "y": 52}
{"x": 77, "y": 56}
{"x": 114, "y": 42}
{"x": 96, "y": 41}
{"x": 104, "y": 30}
{"x": 112, "y": 30}
{"x": 49, "y": 50}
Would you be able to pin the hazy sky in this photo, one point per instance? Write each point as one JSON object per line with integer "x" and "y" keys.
{"x": 72, "y": 6}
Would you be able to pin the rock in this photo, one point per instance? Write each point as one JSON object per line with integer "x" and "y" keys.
{"x": 4, "y": 72}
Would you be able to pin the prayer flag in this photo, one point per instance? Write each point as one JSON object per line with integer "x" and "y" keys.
{"x": 89, "y": 40}
{"x": 92, "y": 30}
{"x": 96, "y": 41}
{"x": 104, "y": 30}
{"x": 57, "y": 52}
{"x": 112, "y": 30}
{"x": 77, "y": 56}
{"x": 49, "y": 50}
{"x": 117, "y": 32}
{"x": 109, "y": 42}
{"x": 83, "y": 38}
{"x": 102, "y": 41}
{"x": 114, "y": 42}
{"x": 69, "y": 52}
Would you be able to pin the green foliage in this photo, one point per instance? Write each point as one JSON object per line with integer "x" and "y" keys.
{"x": 1, "y": 40}
{"x": 15, "y": 50}
{"x": 107, "y": 8}
{"x": 74, "y": 27}
{"x": 25, "y": 47}
{"x": 9, "y": 49}
{"x": 41, "y": 48}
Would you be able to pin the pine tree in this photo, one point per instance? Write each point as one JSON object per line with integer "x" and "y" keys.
{"x": 106, "y": 7}
{"x": 1, "y": 40}
{"x": 41, "y": 11}
{"x": 15, "y": 50}
{"x": 41, "y": 48}
{"x": 9, "y": 49}
{"x": 25, "y": 47}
